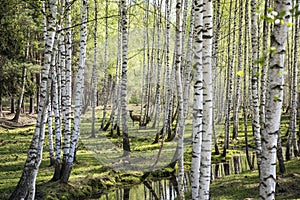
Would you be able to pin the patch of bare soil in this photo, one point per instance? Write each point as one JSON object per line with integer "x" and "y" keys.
{"x": 24, "y": 121}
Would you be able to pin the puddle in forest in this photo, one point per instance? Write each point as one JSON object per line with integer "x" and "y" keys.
{"x": 166, "y": 189}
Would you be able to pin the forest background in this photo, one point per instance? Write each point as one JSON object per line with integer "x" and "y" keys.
{"x": 199, "y": 68}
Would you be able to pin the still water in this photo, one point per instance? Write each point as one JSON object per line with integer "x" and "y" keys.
{"x": 166, "y": 189}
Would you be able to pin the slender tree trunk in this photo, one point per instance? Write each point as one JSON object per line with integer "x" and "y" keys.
{"x": 67, "y": 94}
{"x": 254, "y": 83}
{"x": 264, "y": 66}
{"x": 126, "y": 144}
{"x": 26, "y": 185}
{"x": 105, "y": 81}
{"x": 245, "y": 86}
{"x": 294, "y": 96}
{"x": 94, "y": 73}
{"x": 274, "y": 103}
{"x": 215, "y": 54}
{"x": 238, "y": 75}
{"x": 31, "y": 98}
{"x": 180, "y": 119}
{"x": 21, "y": 99}
{"x": 228, "y": 84}
{"x": 79, "y": 93}
{"x": 205, "y": 165}
{"x": 198, "y": 100}
{"x": 50, "y": 132}
{"x": 159, "y": 63}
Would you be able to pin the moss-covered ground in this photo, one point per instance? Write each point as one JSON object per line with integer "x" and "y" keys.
{"x": 92, "y": 174}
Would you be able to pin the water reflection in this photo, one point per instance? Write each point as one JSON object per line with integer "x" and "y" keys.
{"x": 167, "y": 189}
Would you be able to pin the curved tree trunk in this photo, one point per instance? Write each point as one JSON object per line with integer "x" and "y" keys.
{"x": 26, "y": 185}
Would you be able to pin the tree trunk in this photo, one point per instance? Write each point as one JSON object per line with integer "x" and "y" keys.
{"x": 105, "y": 80}
{"x": 26, "y": 185}
{"x": 94, "y": 73}
{"x": 31, "y": 98}
{"x": 180, "y": 119}
{"x": 254, "y": 83}
{"x": 245, "y": 87}
{"x": 198, "y": 100}
{"x": 78, "y": 93}
{"x": 294, "y": 104}
{"x": 228, "y": 84}
{"x": 67, "y": 91}
{"x": 238, "y": 74}
{"x": 50, "y": 132}
{"x": 18, "y": 112}
{"x": 274, "y": 103}
{"x": 205, "y": 165}
{"x": 126, "y": 144}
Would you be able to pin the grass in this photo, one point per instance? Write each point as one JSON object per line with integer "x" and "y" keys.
{"x": 99, "y": 165}
{"x": 246, "y": 184}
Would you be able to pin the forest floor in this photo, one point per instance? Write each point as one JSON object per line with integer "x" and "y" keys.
{"x": 89, "y": 177}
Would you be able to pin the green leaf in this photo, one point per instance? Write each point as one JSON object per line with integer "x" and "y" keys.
{"x": 289, "y": 24}
{"x": 240, "y": 73}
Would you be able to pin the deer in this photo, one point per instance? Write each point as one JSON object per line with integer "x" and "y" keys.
{"x": 134, "y": 117}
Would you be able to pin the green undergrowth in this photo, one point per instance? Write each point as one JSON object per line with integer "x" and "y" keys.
{"x": 92, "y": 175}
{"x": 246, "y": 184}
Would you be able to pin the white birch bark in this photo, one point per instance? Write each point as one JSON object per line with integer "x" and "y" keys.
{"x": 263, "y": 81}
{"x": 78, "y": 91}
{"x": 238, "y": 76}
{"x": 105, "y": 90}
{"x": 205, "y": 165}
{"x": 157, "y": 96}
{"x": 274, "y": 102}
{"x": 188, "y": 65}
{"x": 198, "y": 100}
{"x": 50, "y": 132}
{"x": 26, "y": 185}
{"x": 180, "y": 122}
{"x": 58, "y": 79}
{"x": 167, "y": 71}
{"x": 68, "y": 86}
{"x": 126, "y": 144}
{"x": 254, "y": 83}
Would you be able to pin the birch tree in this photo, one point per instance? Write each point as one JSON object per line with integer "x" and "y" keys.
{"x": 78, "y": 92}
{"x": 67, "y": 93}
{"x": 126, "y": 144}
{"x": 198, "y": 100}
{"x": 229, "y": 82}
{"x": 205, "y": 165}
{"x": 105, "y": 90}
{"x": 238, "y": 74}
{"x": 26, "y": 185}
{"x": 274, "y": 101}
{"x": 292, "y": 142}
{"x": 254, "y": 82}
{"x": 94, "y": 73}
